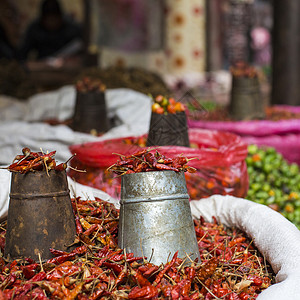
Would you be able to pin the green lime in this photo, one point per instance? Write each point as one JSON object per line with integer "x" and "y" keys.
{"x": 252, "y": 149}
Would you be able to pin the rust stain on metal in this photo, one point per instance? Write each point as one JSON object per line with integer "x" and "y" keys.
{"x": 17, "y": 249}
{"x": 42, "y": 206}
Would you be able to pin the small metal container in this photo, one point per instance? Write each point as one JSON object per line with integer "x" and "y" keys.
{"x": 40, "y": 215}
{"x": 155, "y": 216}
{"x": 170, "y": 129}
{"x": 90, "y": 113}
{"x": 246, "y": 100}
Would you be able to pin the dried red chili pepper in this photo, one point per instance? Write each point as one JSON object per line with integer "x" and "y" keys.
{"x": 37, "y": 294}
{"x": 85, "y": 239}
{"x": 146, "y": 161}
{"x": 78, "y": 225}
{"x": 60, "y": 259}
{"x": 80, "y": 250}
{"x": 30, "y": 270}
{"x": 140, "y": 279}
{"x": 91, "y": 230}
{"x": 22, "y": 290}
{"x": 164, "y": 167}
{"x": 122, "y": 276}
{"x": 114, "y": 266}
{"x": 166, "y": 288}
{"x": 166, "y": 268}
{"x": 145, "y": 292}
{"x": 151, "y": 159}
{"x": 57, "y": 252}
{"x": 191, "y": 273}
{"x": 74, "y": 293}
{"x": 185, "y": 286}
{"x": 133, "y": 259}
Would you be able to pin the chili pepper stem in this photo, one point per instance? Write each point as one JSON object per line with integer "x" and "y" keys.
{"x": 215, "y": 297}
{"x": 138, "y": 158}
{"x": 152, "y": 252}
{"x": 189, "y": 159}
{"x": 169, "y": 278}
{"x": 75, "y": 169}
{"x": 142, "y": 251}
{"x": 95, "y": 235}
{"x": 77, "y": 207}
{"x": 40, "y": 260}
{"x": 182, "y": 264}
{"x": 70, "y": 158}
{"x": 25, "y": 157}
{"x": 122, "y": 156}
{"x": 46, "y": 167}
{"x": 189, "y": 258}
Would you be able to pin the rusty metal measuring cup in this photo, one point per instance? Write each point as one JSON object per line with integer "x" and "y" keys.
{"x": 246, "y": 100}
{"x": 170, "y": 129}
{"x": 40, "y": 215}
{"x": 155, "y": 216}
{"x": 90, "y": 112}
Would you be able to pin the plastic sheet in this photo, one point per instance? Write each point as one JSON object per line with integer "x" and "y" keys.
{"x": 219, "y": 160}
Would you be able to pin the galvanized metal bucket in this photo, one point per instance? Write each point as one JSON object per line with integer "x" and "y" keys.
{"x": 40, "y": 215}
{"x": 246, "y": 100}
{"x": 90, "y": 113}
{"x": 170, "y": 129}
{"x": 155, "y": 217}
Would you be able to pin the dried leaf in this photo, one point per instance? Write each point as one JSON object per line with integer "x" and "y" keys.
{"x": 241, "y": 285}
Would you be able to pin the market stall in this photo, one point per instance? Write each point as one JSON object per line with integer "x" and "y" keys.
{"x": 234, "y": 213}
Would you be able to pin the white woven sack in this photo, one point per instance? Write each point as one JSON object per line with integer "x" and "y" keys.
{"x": 274, "y": 236}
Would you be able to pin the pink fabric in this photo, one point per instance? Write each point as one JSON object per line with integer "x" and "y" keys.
{"x": 253, "y": 128}
{"x": 283, "y": 135}
{"x": 288, "y": 145}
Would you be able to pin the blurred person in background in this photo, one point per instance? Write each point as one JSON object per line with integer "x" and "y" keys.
{"x": 52, "y": 37}
{"x": 6, "y": 49}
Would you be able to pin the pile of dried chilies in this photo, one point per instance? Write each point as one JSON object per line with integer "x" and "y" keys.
{"x": 231, "y": 268}
{"x": 147, "y": 161}
{"x": 87, "y": 84}
{"x": 36, "y": 161}
{"x": 242, "y": 69}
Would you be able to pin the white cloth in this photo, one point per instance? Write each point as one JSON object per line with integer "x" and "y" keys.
{"x": 20, "y": 127}
{"x": 4, "y": 192}
{"x": 76, "y": 190}
{"x": 274, "y": 236}
{"x": 129, "y": 106}
{"x": 16, "y": 135}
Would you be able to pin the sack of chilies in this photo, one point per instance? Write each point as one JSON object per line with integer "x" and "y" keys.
{"x": 274, "y": 236}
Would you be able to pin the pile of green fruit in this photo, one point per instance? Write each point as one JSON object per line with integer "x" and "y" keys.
{"x": 274, "y": 182}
